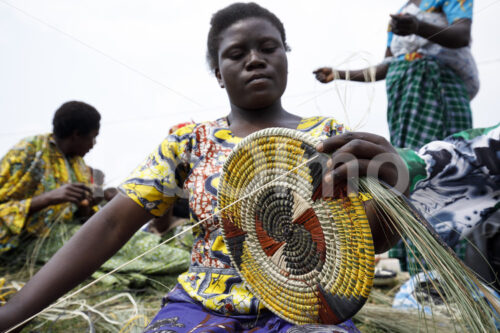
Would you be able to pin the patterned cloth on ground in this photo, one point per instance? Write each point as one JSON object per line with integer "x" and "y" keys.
{"x": 456, "y": 183}
{"x": 161, "y": 265}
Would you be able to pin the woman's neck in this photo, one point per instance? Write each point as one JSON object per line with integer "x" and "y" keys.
{"x": 63, "y": 145}
{"x": 243, "y": 122}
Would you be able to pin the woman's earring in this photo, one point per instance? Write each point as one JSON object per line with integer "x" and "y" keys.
{"x": 219, "y": 78}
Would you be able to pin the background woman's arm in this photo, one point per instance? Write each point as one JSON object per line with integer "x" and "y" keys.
{"x": 327, "y": 74}
{"x": 456, "y": 35}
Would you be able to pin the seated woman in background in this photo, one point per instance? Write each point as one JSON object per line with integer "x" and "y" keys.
{"x": 44, "y": 179}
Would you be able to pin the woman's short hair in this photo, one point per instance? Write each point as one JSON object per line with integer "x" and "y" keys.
{"x": 75, "y": 116}
{"x": 225, "y": 17}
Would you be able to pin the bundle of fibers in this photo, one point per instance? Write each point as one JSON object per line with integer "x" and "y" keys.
{"x": 474, "y": 308}
{"x": 379, "y": 315}
{"x": 384, "y": 317}
{"x": 118, "y": 313}
{"x": 311, "y": 259}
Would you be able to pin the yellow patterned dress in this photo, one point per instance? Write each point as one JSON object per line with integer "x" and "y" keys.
{"x": 34, "y": 166}
{"x": 188, "y": 163}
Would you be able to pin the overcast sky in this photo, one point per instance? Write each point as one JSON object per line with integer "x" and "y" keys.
{"x": 142, "y": 65}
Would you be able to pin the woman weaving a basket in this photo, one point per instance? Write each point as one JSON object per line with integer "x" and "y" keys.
{"x": 247, "y": 52}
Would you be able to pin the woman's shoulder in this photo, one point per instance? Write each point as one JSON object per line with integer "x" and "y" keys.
{"x": 31, "y": 145}
{"x": 321, "y": 126}
{"x": 187, "y": 136}
{"x": 452, "y": 9}
{"x": 189, "y": 128}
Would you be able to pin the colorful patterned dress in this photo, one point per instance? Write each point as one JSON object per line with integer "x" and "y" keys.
{"x": 427, "y": 84}
{"x": 455, "y": 185}
{"x": 211, "y": 295}
{"x": 32, "y": 167}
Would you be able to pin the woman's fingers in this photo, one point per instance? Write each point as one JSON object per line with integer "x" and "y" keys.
{"x": 364, "y": 141}
{"x": 81, "y": 186}
{"x": 359, "y": 148}
{"x": 87, "y": 192}
{"x": 360, "y": 168}
{"x": 324, "y": 74}
{"x": 73, "y": 197}
{"x": 71, "y": 190}
{"x": 347, "y": 174}
{"x": 77, "y": 192}
{"x": 358, "y": 154}
{"x": 404, "y": 24}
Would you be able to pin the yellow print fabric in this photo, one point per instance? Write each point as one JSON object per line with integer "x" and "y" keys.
{"x": 188, "y": 163}
{"x": 34, "y": 166}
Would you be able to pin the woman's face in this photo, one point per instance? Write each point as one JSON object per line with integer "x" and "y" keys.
{"x": 252, "y": 63}
{"x": 82, "y": 144}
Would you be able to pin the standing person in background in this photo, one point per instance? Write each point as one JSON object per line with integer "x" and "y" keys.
{"x": 429, "y": 71}
{"x": 44, "y": 179}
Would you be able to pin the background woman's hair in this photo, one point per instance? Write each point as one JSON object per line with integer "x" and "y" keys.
{"x": 225, "y": 17}
{"x": 75, "y": 116}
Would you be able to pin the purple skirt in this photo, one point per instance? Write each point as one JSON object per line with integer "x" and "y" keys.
{"x": 180, "y": 313}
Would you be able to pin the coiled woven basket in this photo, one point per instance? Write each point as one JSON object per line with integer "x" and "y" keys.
{"x": 308, "y": 259}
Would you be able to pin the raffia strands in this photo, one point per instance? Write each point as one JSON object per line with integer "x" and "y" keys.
{"x": 117, "y": 313}
{"x": 384, "y": 317}
{"x": 457, "y": 283}
{"x": 378, "y": 314}
{"x": 93, "y": 311}
{"x": 307, "y": 259}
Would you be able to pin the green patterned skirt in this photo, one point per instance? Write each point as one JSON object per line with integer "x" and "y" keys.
{"x": 427, "y": 101}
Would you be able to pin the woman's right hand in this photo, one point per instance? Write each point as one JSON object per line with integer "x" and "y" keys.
{"x": 75, "y": 193}
{"x": 404, "y": 24}
{"x": 324, "y": 74}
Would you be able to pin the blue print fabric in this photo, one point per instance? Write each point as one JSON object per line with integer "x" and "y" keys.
{"x": 461, "y": 186}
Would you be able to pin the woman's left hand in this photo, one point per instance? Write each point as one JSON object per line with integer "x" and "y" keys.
{"x": 357, "y": 154}
{"x": 404, "y": 24}
{"x": 324, "y": 74}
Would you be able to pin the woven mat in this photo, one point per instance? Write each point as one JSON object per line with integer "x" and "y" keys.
{"x": 308, "y": 259}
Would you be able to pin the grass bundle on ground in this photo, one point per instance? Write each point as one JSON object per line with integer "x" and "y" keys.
{"x": 97, "y": 309}
{"x": 112, "y": 305}
{"x": 384, "y": 318}
{"x": 378, "y": 315}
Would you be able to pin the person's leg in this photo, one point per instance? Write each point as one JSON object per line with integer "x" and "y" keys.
{"x": 182, "y": 314}
{"x": 458, "y": 115}
{"x": 415, "y": 108}
{"x": 483, "y": 255}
